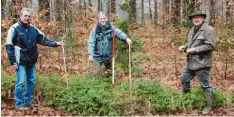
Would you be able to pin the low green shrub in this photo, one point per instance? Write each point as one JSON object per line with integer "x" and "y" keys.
{"x": 94, "y": 96}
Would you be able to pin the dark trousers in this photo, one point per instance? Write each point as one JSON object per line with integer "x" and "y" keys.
{"x": 203, "y": 76}
{"x": 97, "y": 68}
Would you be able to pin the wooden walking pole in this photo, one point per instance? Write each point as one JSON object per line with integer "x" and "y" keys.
{"x": 65, "y": 68}
{"x": 129, "y": 65}
{"x": 113, "y": 59}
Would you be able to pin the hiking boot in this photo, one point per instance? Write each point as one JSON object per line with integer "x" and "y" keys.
{"x": 22, "y": 108}
{"x": 208, "y": 103}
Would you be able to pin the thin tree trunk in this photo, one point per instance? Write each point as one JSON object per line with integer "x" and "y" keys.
{"x": 224, "y": 10}
{"x": 113, "y": 6}
{"x": 181, "y": 11}
{"x": 45, "y": 5}
{"x": 155, "y": 12}
{"x": 142, "y": 11}
{"x": 212, "y": 12}
{"x": 132, "y": 14}
{"x": 150, "y": 11}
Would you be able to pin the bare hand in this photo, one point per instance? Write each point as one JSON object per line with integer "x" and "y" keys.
{"x": 90, "y": 58}
{"x": 191, "y": 50}
{"x": 181, "y": 48}
{"x": 15, "y": 67}
{"x": 59, "y": 43}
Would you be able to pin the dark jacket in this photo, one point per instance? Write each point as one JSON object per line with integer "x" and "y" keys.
{"x": 21, "y": 43}
{"x": 204, "y": 42}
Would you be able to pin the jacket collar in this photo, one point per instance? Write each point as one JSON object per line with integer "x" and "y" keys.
{"x": 193, "y": 38}
{"x": 23, "y": 24}
{"x": 100, "y": 29}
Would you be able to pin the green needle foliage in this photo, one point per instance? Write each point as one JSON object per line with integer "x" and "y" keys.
{"x": 94, "y": 96}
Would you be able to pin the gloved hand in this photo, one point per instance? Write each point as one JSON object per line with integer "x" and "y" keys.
{"x": 129, "y": 41}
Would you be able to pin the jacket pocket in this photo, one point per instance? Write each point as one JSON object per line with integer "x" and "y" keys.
{"x": 197, "y": 62}
{"x": 98, "y": 43}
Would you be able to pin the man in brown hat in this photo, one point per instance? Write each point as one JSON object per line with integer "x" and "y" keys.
{"x": 201, "y": 42}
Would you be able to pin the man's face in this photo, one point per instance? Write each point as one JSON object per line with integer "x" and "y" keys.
{"x": 25, "y": 17}
{"x": 197, "y": 20}
{"x": 102, "y": 20}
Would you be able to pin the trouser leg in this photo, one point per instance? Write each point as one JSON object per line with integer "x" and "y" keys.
{"x": 186, "y": 77}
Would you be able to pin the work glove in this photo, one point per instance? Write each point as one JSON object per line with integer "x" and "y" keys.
{"x": 129, "y": 41}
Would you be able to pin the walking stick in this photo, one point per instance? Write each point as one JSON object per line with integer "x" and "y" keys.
{"x": 64, "y": 61}
{"x": 129, "y": 65}
{"x": 113, "y": 59}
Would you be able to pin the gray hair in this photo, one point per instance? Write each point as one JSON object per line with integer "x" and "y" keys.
{"x": 24, "y": 9}
{"x": 102, "y": 13}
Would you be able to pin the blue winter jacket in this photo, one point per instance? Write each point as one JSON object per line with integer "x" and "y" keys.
{"x": 21, "y": 43}
{"x": 100, "y": 42}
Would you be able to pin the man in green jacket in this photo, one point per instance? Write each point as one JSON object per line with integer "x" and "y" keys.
{"x": 100, "y": 43}
{"x": 201, "y": 42}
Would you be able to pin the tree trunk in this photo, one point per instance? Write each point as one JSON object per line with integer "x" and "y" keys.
{"x": 45, "y": 5}
{"x": 212, "y": 12}
{"x": 113, "y": 7}
{"x": 58, "y": 10}
{"x": 181, "y": 11}
{"x": 155, "y": 12}
{"x": 108, "y": 7}
{"x": 142, "y": 11}
{"x": 99, "y": 5}
{"x": 169, "y": 8}
{"x": 224, "y": 10}
{"x": 132, "y": 13}
{"x": 176, "y": 11}
{"x": 85, "y": 7}
{"x": 150, "y": 11}
{"x": 52, "y": 10}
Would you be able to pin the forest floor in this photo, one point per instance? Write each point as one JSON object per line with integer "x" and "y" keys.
{"x": 165, "y": 64}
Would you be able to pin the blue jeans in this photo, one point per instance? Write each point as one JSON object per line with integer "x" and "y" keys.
{"x": 24, "y": 73}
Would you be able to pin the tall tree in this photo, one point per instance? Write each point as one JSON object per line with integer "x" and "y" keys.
{"x": 142, "y": 11}
{"x": 212, "y": 12}
{"x": 113, "y": 6}
{"x": 99, "y": 5}
{"x": 181, "y": 11}
{"x": 150, "y": 11}
{"x": 155, "y": 12}
{"x": 132, "y": 14}
{"x": 176, "y": 11}
{"x": 45, "y": 5}
{"x": 224, "y": 10}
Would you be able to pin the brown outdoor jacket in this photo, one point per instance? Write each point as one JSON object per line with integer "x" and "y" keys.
{"x": 204, "y": 42}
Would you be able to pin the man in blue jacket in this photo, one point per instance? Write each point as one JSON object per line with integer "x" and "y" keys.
{"x": 21, "y": 47}
{"x": 100, "y": 43}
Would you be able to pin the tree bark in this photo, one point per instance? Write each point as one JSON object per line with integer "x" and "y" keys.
{"x": 142, "y": 11}
{"x": 181, "y": 11}
{"x": 132, "y": 14}
{"x": 155, "y": 12}
{"x": 45, "y": 5}
{"x": 150, "y": 11}
{"x": 113, "y": 6}
{"x": 224, "y": 3}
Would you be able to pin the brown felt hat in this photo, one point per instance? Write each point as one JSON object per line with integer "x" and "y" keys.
{"x": 197, "y": 13}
